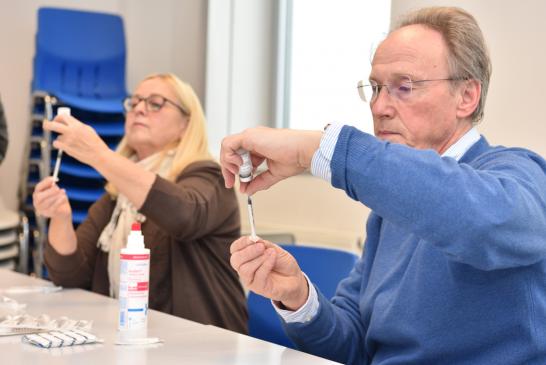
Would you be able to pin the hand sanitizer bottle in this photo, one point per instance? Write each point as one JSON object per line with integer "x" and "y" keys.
{"x": 133, "y": 287}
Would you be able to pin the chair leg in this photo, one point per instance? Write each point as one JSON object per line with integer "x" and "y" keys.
{"x": 24, "y": 233}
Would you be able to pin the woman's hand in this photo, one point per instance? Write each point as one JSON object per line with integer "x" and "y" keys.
{"x": 270, "y": 271}
{"x": 82, "y": 142}
{"x": 50, "y": 201}
{"x": 77, "y": 139}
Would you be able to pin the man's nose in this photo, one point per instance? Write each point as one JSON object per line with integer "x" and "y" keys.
{"x": 382, "y": 106}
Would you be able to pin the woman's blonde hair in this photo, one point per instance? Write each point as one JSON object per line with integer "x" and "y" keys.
{"x": 193, "y": 146}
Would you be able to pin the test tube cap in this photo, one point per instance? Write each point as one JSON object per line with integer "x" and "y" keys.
{"x": 63, "y": 110}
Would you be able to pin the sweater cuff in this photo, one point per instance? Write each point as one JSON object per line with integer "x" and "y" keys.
{"x": 341, "y": 154}
{"x": 307, "y": 311}
{"x": 313, "y": 330}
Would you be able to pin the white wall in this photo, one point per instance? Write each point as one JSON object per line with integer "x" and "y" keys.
{"x": 162, "y": 36}
{"x": 240, "y": 66}
{"x": 324, "y": 70}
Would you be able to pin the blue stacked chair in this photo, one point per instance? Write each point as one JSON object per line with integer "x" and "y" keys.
{"x": 80, "y": 58}
{"x": 325, "y": 267}
{"x": 79, "y": 62}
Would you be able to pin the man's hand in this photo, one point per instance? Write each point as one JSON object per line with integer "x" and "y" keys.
{"x": 287, "y": 153}
{"x": 270, "y": 271}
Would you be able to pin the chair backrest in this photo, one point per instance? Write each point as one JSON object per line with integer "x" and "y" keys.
{"x": 325, "y": 267}
{"x": 80, "y": 53}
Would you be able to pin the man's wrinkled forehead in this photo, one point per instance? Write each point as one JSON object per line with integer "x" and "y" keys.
{"x": 412, "y": 49}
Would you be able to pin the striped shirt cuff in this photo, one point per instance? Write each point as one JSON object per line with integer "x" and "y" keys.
{"x": 320, "y": 164}
{"x": 307, "y": 312}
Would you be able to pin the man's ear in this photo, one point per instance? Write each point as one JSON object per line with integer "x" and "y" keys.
{"x": 470, "y": 94}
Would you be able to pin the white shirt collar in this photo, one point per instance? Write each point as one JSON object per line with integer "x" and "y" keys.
{"x": 459, "y": 148}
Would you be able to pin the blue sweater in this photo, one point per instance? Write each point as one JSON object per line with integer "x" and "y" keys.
{"x": 454, "y": 265}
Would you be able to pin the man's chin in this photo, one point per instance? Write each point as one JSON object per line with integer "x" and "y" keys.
{"x": 391, "y": 137}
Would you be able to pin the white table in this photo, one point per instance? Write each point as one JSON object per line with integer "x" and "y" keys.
{"x": 185, "y": 342}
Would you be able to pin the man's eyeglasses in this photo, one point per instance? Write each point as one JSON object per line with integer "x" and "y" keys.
{"x": 400, "y": 88}
{"x": 152, "y": 103}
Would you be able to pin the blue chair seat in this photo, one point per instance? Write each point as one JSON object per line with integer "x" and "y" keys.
{"x": 80, "y": 58}
{"x": 84, "y": 195}
{"x": 77, "y": 169}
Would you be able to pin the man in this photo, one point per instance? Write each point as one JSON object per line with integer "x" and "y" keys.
{"x": 454, "y": 265}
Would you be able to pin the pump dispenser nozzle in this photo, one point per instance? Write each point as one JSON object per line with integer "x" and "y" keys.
{"x": 135, "y": 239}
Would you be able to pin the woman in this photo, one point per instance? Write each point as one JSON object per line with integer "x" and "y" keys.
{"x": 163, "y": 176}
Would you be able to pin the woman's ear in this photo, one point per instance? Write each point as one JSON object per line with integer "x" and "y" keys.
{"x": 470, "y": 94}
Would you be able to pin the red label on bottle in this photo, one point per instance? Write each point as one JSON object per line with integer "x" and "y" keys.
{"x": 144, "y": 256}
{"x": 142, "y": 286}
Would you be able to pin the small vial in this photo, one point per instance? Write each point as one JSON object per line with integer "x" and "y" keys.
{"x": 245, "y": 170}
{"x": 245, "y": 175}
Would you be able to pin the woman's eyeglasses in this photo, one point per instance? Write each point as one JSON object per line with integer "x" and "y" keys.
{"x": 152, "y": 103}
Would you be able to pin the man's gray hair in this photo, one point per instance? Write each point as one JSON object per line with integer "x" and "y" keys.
{"x": 468, "y": 57}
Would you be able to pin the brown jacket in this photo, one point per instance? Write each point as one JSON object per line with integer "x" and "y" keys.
{"x": 189, "y": 227}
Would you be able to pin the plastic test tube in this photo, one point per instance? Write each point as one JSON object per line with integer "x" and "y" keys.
{"x": 60, "y": 111}
{"x": 253, "y": 236}
{"x": 245, "y": 175}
